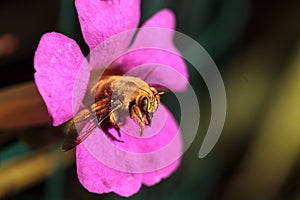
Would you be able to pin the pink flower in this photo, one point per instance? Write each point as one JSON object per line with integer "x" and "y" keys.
{"x": 104, "y": 165}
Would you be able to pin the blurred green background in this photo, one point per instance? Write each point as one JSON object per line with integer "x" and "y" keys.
{"x": 256, "y": 47}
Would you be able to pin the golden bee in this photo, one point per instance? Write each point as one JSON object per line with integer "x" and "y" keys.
{"x": 115, "y": 96}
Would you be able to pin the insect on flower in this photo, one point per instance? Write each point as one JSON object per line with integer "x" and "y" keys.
{"x": 115, "y": 96}
{"x": 105, "y": 166}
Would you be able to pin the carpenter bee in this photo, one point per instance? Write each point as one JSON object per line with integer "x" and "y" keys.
{"x": 114, "y": 96}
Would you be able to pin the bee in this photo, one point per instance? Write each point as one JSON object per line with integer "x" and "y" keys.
{"x": 115, "y": 97}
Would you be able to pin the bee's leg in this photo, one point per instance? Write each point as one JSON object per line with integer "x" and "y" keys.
{"x": 114, "y": 121}
{"x": 136, "y": 114}
{"x": 142, "y": 129}
{"x": 105, "y": 128}
{"x": 112, "y": 137}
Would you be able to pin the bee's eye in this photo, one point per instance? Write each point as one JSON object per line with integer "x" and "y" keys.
{"x": 144, "y": 104}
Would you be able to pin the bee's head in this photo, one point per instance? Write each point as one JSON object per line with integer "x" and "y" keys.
{"x": 148, "y": 103}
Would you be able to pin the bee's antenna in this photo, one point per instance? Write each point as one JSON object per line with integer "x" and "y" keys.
{"x": 150, "y": 72}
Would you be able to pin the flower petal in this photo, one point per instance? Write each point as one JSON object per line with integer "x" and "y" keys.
{"x": 101, "y": 19}
{"x": 122, "y": 167}
{"x": 154, "y": 46}
{"x": 57, "y": 61}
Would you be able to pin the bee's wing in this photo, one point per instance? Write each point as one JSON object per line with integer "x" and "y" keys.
{"x": 86, "y": 121}
{"x": 73, "y": 138}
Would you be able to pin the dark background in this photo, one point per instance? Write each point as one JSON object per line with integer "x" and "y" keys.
{"x": 256, "y": 47}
